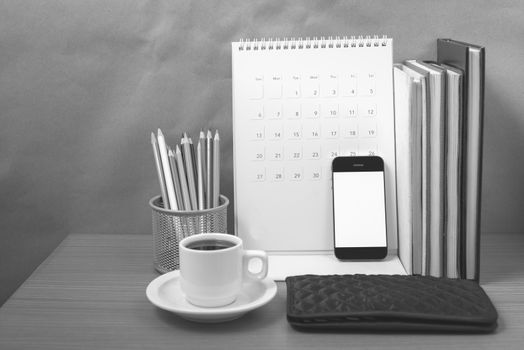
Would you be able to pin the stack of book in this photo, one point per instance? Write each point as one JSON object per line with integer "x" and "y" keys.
{"x": 438, "y": 126}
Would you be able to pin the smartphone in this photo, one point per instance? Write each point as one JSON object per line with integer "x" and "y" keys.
{"x": 359, "y": 208}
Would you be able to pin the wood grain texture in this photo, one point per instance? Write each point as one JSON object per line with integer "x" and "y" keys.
{"x": 90, "y": 294}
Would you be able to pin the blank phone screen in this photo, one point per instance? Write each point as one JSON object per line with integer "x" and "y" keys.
{"x": 359, "y": 209}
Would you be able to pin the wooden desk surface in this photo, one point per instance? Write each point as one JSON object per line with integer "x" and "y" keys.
{"x": 90, "y": 293}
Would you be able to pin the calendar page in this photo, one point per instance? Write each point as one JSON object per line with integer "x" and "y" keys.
{"x": 296, "y": 106}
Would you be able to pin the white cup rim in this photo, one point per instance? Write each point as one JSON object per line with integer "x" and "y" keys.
{"x": 210, "y": 236}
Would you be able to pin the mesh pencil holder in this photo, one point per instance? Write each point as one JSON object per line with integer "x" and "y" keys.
{"x": 170, "y": 227}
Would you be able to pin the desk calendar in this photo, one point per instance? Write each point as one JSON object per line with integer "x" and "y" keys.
{"x": 297, "y": 104}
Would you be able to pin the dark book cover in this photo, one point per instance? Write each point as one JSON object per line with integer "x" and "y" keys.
{"x": 471, "y": 59}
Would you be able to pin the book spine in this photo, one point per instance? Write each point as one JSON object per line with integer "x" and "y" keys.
{"x": 474, "y": 162}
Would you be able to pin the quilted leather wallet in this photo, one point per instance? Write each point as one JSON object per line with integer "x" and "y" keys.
{"x": 388, "y": 303}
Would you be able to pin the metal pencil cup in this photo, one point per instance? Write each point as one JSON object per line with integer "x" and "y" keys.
{"x": 170, "y": 227}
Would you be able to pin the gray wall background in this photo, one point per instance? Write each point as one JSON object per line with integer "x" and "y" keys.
{"x": 83, "y": 83}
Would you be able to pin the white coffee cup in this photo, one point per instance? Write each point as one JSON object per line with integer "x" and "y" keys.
{"x": 213, "y": 266}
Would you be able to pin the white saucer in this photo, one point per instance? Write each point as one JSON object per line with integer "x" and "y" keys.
{"x": 165, "y": 293}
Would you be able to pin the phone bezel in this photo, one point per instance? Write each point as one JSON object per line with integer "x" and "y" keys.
{"x": 358, "y": 164}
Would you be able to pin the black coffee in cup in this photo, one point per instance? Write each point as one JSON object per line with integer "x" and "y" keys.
{"x": 210, "y": 244}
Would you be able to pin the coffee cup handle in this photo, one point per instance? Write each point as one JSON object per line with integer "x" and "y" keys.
{"x": 255, "y": 254}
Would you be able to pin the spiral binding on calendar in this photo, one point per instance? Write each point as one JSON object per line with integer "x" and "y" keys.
{"x": 312, "y": 43}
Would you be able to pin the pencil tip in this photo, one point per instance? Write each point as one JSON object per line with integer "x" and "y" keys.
{"x": 160, "y": 132}
{"x": 209, "y": 134}
{"x": 153, "y": 137}
{"x": 170, "y": 152}
{"x": 216, "y": 136}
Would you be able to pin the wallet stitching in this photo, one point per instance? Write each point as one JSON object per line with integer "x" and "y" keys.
{"x": 485, "y": 316}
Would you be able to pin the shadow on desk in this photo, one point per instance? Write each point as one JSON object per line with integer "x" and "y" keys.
{"x": 500, "y": 259}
